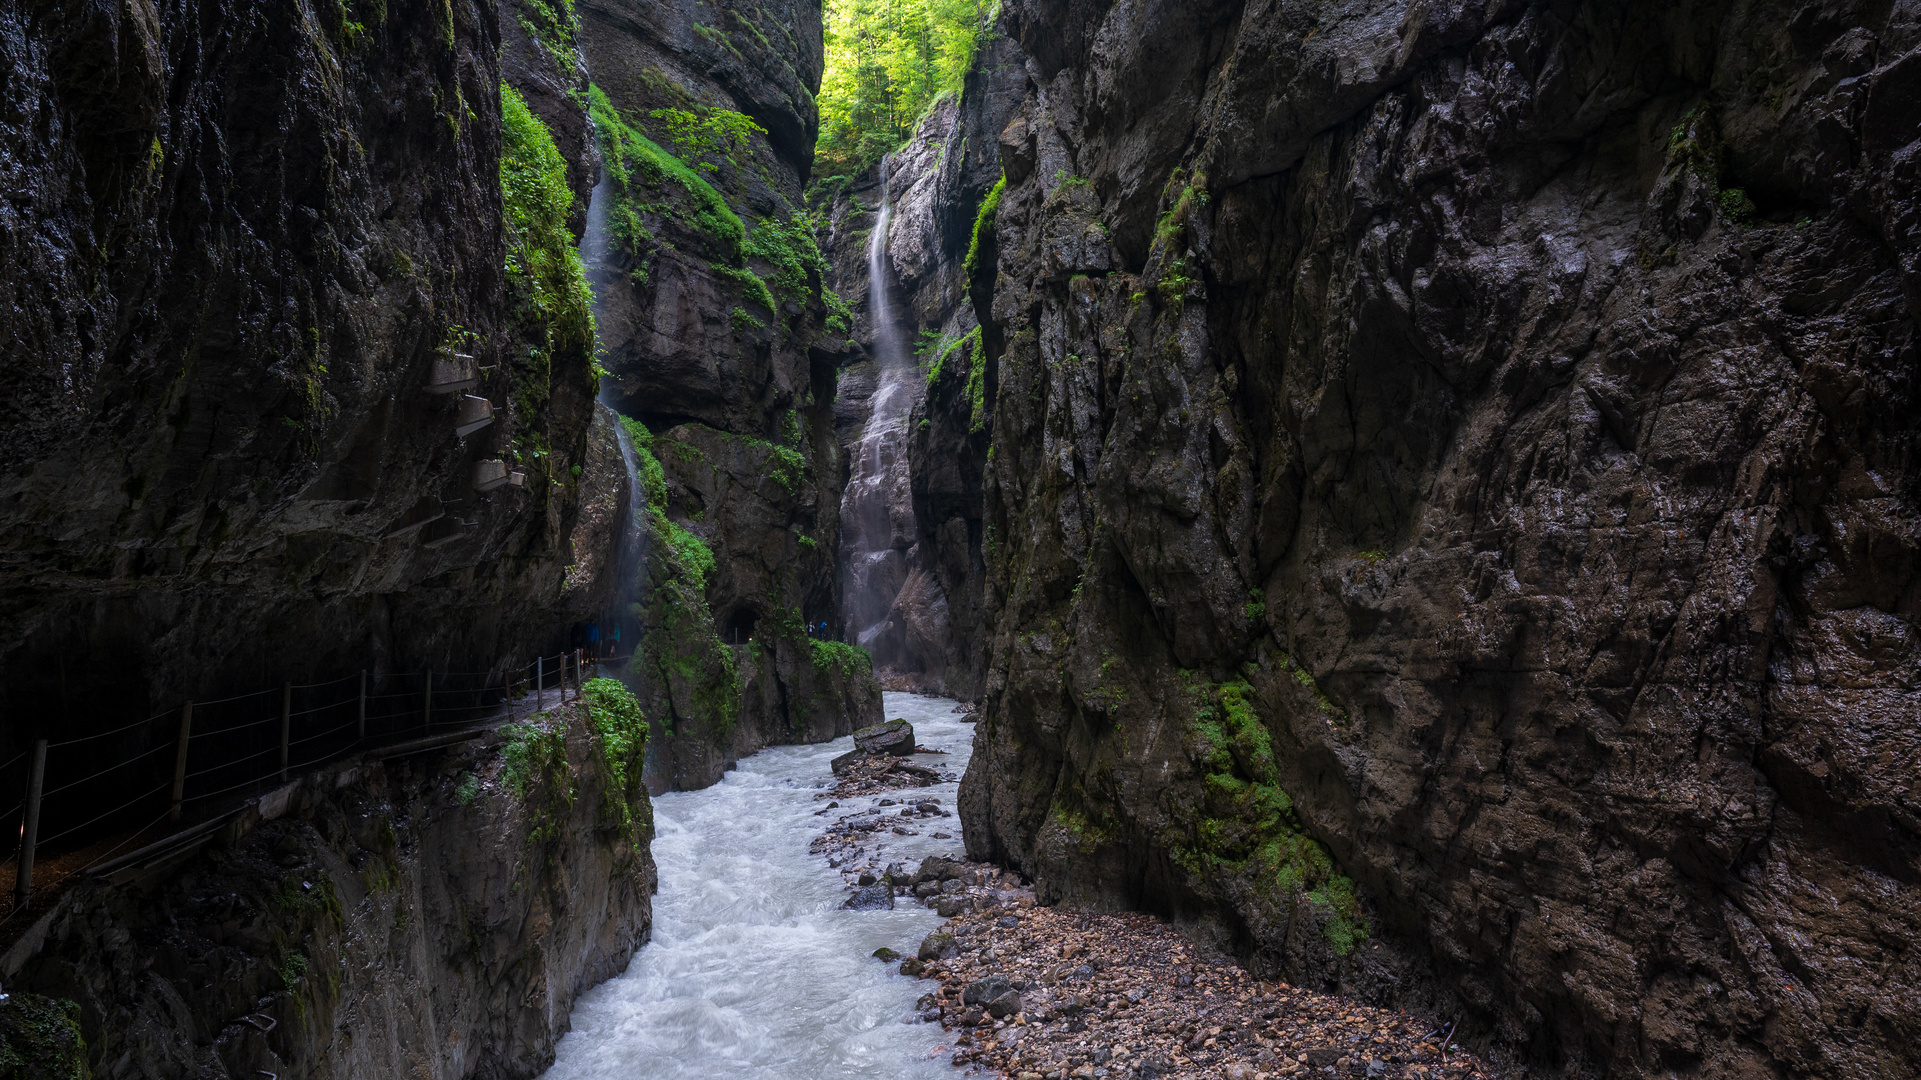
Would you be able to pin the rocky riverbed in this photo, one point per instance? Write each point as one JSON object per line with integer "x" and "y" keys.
{"x": 1039, "y": 993}
{"x": 1048, "y": 993}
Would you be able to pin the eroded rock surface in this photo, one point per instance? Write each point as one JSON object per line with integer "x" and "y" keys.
{"x": 722, "y": 345}
{"x": 1451, "y": 522}
{"x": 243, "y": 236}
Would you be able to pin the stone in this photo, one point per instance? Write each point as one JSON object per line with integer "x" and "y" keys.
{"x": 912, "y": 966}
{"x": 894, "y": 737}
{"x": 939, "y": 945}
{"x": 867, "y": 877}
{"x": 949, "y": 906}
{"x": 870, "y": 898}
{"x": 886, "y": 955}
{"x": 846, "y": 761}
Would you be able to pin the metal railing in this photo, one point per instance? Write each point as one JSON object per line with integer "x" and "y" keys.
{"x": 231, "y": 744}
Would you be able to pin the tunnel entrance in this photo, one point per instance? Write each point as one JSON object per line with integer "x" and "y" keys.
{"x": 738, "y": 629}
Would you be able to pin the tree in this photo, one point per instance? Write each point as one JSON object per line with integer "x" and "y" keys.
{"x": 887, "y": 61}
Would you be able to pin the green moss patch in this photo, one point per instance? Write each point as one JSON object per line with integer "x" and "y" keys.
{"x": 40, "y": 1039}
{"x": 1243, "y": 825}
{"x": 544, "y": 273}
{"x": 621, "y": 728}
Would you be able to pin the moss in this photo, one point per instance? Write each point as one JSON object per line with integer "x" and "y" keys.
{"x": 1333, "y": 712}
{"x": 695, "y": 557}
{"x": 40, "y": 1039}
{"x": 634, "y": 159}
{"x": 292, "y": 969}
{"x": 534, "y": 763}
{"x": 839, "y": 658}
{"x": 983, "y": 221}
{"x": 653, "y": 478}
{"x": 306, "y": 898}
{"x": 1191, "y": 198}
{"x": 1243, "y": 825}
{"x": 1067, "y": 816}
{"x": 621, "y": 728}
{"x": 784, "y": 465}
{"x": 552, "y": 24}
{"x": 679, "y": 643}
{"x": 1736, "y": 206}
{"x": 544, "y": 273}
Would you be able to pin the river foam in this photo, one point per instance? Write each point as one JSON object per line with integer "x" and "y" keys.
{"x": 754, "y": 971}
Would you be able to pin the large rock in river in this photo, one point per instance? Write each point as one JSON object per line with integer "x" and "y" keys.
{"x": 895, "y": 737}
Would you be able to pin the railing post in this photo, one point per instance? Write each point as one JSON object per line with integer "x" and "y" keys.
{"x": 286, "y": 725}
{"x": 30, "y": 828}
{"x": 580, "y": 674}
{"x": 540, "y": 680}
{"x": 180, "y": 762}
{"x": 363, "y": 703}
{"x": 427, "y": 703}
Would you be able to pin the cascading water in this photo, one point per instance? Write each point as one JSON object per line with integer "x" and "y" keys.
{"x": 754, "y": 970}
{"x": 595, "y": 253}
{"x": 877, "y": 512}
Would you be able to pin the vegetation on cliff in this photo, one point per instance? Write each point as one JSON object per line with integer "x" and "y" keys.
{"x": 40, "y": 1039}
{"x": 1242, "y": 824}
{"x": 678, "y": 644}
{"x": 544, "y": 273}
{"x": 776, "y": 263}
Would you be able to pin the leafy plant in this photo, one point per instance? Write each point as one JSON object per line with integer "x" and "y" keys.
{"x": 699, "y": 137}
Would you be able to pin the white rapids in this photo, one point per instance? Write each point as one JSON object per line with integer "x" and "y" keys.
{"x": 754, "y": 971}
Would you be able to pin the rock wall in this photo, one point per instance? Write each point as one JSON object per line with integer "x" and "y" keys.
{"x": 1451, "y": 520}
{"x": 433, "y": 915}
{"x": 918, "y": 590}
{"x": 242, "y": 237}
{"x": 722, "y": 343}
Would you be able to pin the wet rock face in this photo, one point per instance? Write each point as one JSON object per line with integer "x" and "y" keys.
{"x": 913, "y": 579}
{"x": 433, "y": 916}
{"x": 735, "y": 399}
{"x": 242, "y": 237}
{"x": 1480, "y": 440}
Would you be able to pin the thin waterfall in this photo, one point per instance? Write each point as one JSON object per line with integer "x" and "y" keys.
{"x": 877, "y": 511}
{"x": 630, "y": 561}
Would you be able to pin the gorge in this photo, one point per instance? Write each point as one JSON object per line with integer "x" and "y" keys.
{"x": 1421, "y": 496}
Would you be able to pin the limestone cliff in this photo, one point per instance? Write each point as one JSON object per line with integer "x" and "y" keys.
{"x": 722, "y": 341}
{"x": 1451, "y": 514}
{"x": 262, "y": 275}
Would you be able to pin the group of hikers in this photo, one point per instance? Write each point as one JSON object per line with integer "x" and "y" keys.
{"x": 587, "y": 637}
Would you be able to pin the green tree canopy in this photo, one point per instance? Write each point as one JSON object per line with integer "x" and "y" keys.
{"x": 887, "y": 60}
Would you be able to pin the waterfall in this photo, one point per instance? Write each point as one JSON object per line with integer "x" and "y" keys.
{"x": 630, "y": 561}
{"x": 877, "y": 512}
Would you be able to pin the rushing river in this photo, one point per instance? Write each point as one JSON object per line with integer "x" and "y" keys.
{"x": 754, "y": 971}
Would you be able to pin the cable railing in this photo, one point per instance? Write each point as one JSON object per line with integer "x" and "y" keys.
{"x": 200, "y": 751}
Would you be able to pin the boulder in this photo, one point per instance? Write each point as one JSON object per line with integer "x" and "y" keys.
{"x": 871, "y": 898}
{"x": 935, "y": 868}
{"x": 939, "y": 945}
{"x": 895, "y": 737}
{"x": 847, "y": 761}
{"x": 994, "y": 994}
